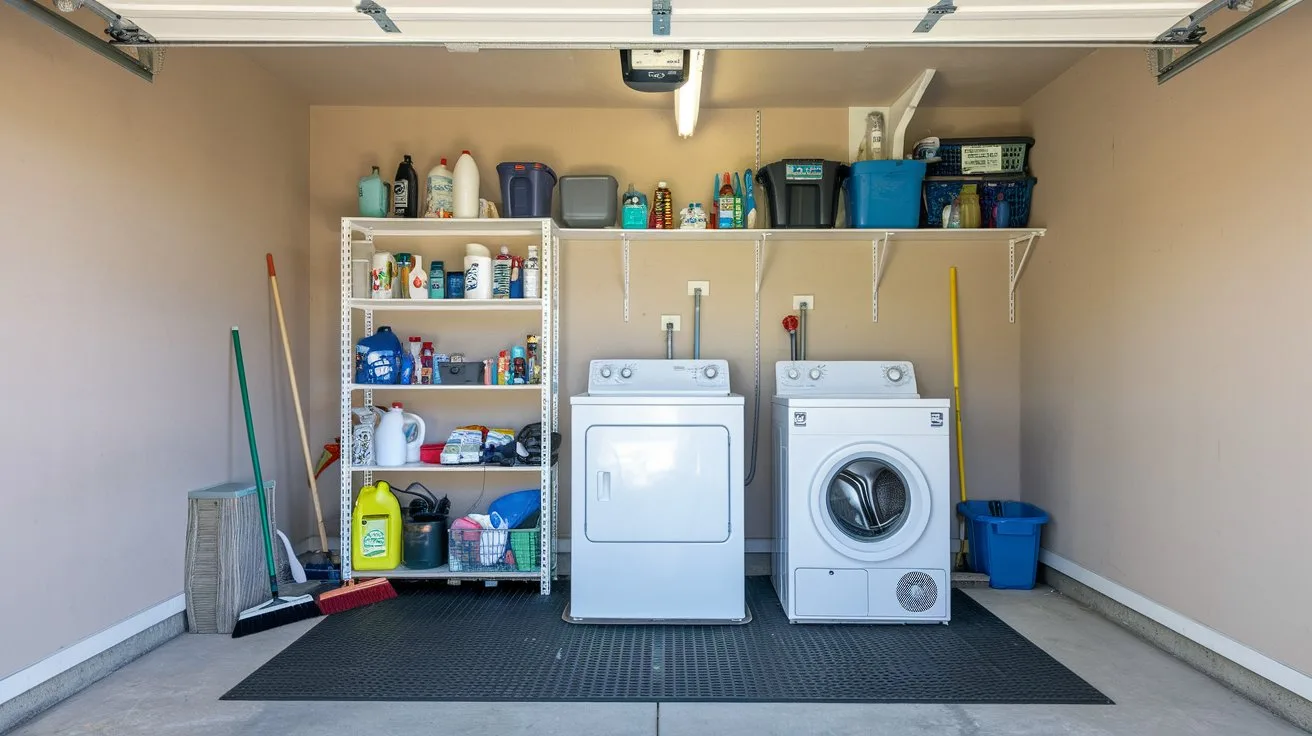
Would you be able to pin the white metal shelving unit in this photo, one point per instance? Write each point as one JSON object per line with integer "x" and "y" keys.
{"x": 546, "y": 234}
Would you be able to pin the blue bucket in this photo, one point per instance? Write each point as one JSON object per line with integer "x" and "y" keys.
{"x": 1006, "y": 547}
{"x": 884, "y": 194}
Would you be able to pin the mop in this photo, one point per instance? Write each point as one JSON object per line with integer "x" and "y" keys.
{"x": 956, "y": 404}
{"x": 278, "y": 611}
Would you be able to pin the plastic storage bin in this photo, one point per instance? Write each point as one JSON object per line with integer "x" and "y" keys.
{"x": 589, "y": 201}
{"x": 884, "y": 194}
{"x": 803, "y": 193}
{"x": 980, "y": 156}
{"x": 526, "y": 188}
{"x": 1018, "y": 191}
{"x": 1005, "y": 546}
{"x": 493, "y": 550}
{"x": 424, "y": 543}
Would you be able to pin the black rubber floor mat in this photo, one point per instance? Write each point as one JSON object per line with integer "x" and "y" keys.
{"x": 508, "y": 643}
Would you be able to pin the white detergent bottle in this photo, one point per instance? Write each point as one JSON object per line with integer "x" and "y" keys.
{"x": 418, "y": 284}
{"x": 532, "y": 274}
{"x": 389, "y": 438}
{"x": 440, "y": 192}
{"x": 465, "y": 185}
{"x": 414, "y": 436}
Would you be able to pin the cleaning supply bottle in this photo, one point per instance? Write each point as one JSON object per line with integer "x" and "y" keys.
{"x": 390, "y": 441}
{"x": 953, "y": 220}
{"x": 416, "y": 354}
{"x": 373, "y": 195}
{"x": 713, "y": 214}
{"x": 662, "y": 208}
{"x": 749, "y": 199}
{"x": 532, "y": 274}
{"x": 970, "y": 209}
{"x": 405, "y": 190}
{"x": 501, "y": 274}
{"x": 440, "y": 202}
{"x": 724, "y": 203}
{"x": 418, "y": 283}
{"x": 737, "y": 201}
{"x": 465, "y": 186}
{"x": 633, "y": 215}
{"x": 376, "y": 529}
{"x": 378, "y": 358}
{"x": 1001, "y": 212}
{"x": 426, "y": 364}
{"x": 437, "y": 280}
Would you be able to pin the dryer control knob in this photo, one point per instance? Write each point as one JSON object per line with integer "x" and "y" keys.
{"x": 605, "y": 371}
{"x": 815, "y": 374}
{"x": 794, "y": 374}
{"x": 710, "y": 371}
{"x": 626, "y": 372}
{"x": 893, "y": 374}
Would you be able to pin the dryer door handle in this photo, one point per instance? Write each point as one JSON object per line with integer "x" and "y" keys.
{"x": 603, "y": 485}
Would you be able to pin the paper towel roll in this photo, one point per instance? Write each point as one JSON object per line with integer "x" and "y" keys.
{"x": 478, "y": 277}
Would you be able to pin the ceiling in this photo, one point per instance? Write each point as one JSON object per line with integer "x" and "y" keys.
{"x": 430, "y": 76}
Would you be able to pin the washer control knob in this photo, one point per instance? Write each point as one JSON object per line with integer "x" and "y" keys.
{"x": 894, "y": 374}
{"x": 794, "y": 374}
{"x": 626, "y": 372}
{"x": 815, "y": 374}
{"x": 710, "y": 371}
{"x": 605, "y": 371}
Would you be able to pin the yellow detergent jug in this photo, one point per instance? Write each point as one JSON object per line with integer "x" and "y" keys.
{"x": 376, "y": 542}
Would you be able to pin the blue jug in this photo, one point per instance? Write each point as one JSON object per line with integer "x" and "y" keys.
{"x": 378, "y": 358}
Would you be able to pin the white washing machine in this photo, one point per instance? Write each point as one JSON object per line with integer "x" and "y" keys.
{"x": 657, "y": 494}
{"x": 863, "y": 501}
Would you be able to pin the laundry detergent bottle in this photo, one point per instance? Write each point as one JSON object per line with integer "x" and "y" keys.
{"x": 397, "y": 431}
{"x": 376, "y": 529}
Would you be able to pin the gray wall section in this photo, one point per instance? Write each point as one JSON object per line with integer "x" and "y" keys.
{"x": 1165, "y": 342}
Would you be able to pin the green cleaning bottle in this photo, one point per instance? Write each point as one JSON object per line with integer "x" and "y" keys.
{"x": 376, "y": 529}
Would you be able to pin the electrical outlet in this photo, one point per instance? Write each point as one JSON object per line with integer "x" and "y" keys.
{"x": 807, "y": 299}
{"x": 693, "y": 286}
{"x": 671, "y": 318}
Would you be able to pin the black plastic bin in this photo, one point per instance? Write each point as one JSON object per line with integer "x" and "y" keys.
{"x": 803, "y": 192}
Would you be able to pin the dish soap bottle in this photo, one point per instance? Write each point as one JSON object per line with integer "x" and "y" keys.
{"x": 662, "y": 208}
{"x": 373, "y": 195}
{"x": 376, "y": 529}
{"x": 1001, "y": 212}
{"x": 405, "y": 190}
{"x": 440, "y": 191}
{"x": 501, "y": 274}
{"x": 418, "y": 283}
{"x": 465, "y": 186}
{"x": 633, "y": 215}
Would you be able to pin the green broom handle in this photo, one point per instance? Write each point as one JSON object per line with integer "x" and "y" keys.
{"x": 255, "y": 461}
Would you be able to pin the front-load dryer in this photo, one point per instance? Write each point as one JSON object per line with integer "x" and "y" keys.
{"x": 657, "y": 494}
{"x": 862, "y": 491}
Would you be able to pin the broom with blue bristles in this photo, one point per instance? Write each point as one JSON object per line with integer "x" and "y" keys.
{"x": 278, "y": 611}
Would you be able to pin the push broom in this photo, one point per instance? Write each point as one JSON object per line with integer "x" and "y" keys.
{"x": 278, "y": 611}
{"x": 353, "y": 594}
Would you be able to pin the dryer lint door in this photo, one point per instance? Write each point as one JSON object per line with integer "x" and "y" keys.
{"x": 657, "y": 484}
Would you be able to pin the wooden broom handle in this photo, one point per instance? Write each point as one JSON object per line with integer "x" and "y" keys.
{"x": 296, "y": 399}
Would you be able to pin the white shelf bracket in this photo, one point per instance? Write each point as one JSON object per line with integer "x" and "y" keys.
{"x": 1016, "y": 269}
{"x": 624, "y": 239}
{"x": 878, "y": 256}
{"x": 759, "y": 262}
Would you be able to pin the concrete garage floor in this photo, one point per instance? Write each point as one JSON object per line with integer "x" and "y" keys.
{"x": 175, "y": 690}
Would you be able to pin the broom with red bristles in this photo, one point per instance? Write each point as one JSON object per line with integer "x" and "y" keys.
{"x": 352, "y": 594}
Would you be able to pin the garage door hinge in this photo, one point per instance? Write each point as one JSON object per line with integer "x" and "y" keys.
{"x": 935, "y": 12}
{"x": 379, "y": 14}
{"x": 660, "y": 17}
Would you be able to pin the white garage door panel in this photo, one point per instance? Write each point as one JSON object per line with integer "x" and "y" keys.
{"x": 708, "y": 23}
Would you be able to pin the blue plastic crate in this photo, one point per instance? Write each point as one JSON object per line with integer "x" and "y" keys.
{"x": 1017, "y": 191}
{"x": 884, "y": 194}
{"x": 1006, "y": 546}
{"x": 1015, "y": 155}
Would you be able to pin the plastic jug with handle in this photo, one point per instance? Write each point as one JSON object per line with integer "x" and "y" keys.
{"x": 398, "y": 437}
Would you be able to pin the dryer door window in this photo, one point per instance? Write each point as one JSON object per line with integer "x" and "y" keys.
{"x": 657, "y": 484}
{"x": 867, "y": 500}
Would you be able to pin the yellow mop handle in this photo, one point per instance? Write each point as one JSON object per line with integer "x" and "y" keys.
{"x": 956, "y": 386}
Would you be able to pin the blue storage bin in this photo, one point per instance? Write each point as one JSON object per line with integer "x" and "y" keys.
{"x": 1005, "y": 547}
{"x": 1017, "y": 191}
{"x": 526, "y": 188}
{"x": 884, "y": 194}
{"x": 1015, "y": 155}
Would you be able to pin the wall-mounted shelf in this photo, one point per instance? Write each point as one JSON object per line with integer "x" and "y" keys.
{"x": 445, "y": 387}
{"x": 428, "y": 468}
{"x": 447, "y": 305}
{"x": 444, "y": 572}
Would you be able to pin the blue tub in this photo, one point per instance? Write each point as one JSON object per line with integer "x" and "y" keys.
{"x": 884, "y": 194}
{"x": 1005, "y": 547}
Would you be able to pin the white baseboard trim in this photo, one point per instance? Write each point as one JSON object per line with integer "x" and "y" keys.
{"x": 1244, "y": 656}
{"x": 71, "y": 656}
{"x": 754, "y": 546}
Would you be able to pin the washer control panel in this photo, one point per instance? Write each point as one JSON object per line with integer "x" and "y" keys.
{"x": 864, "y": 378}
{"x": 659, "y": 377}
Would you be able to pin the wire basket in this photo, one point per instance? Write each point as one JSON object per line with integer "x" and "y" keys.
{"x": 494, "y": 550}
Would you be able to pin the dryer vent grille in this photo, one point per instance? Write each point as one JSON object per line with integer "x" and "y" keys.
{"x": 917, "y": 592}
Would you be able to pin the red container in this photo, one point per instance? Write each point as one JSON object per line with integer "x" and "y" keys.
{"x": 431, "y": 454}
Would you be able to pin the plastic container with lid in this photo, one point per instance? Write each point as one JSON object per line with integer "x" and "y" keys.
{"x": 589, "y": 201}
{"x": 884, "y": 194}
{"x": 803, "y": 193}
{"x": 526, "y": 188}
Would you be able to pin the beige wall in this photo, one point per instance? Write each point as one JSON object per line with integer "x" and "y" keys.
{"x": 1165, "y": 332}
{"x": 135, "y": 218}
{"x": 640, "y": 146}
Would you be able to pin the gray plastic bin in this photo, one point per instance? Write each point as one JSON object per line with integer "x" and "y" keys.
{"x": 589, "y": 201}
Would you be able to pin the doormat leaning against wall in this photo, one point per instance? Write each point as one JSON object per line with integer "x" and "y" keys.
{"x": 468, "y": 643}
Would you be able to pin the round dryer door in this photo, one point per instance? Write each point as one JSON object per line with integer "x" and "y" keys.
{"x": 870, "y": 501}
